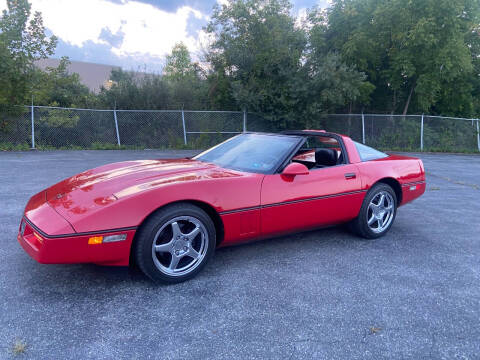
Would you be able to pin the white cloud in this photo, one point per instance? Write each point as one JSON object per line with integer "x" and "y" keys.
{"x": 141, "y": 31}
{"x": 147, "y": 29}
{"x": 301, "y": 16}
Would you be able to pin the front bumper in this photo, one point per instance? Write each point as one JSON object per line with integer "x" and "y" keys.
{"x": 74, "y": 248}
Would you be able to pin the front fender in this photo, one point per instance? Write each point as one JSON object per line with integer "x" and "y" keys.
{"x": 131, "y": 207}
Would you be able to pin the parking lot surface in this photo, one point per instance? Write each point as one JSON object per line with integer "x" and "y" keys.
{"x": 327, "y": 294}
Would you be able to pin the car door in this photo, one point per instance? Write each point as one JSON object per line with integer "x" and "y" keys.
{"x": 324, "y": 196}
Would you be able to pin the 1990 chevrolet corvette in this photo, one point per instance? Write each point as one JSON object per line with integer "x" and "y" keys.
{"x": 168, "y": 216}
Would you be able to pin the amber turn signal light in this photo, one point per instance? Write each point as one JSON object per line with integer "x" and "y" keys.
{"x": 94, "y": 240}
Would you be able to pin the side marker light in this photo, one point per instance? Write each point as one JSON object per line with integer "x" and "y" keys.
{"x": 39, "y": 238}
{"x": 114, "y": 238}
{"x": 95, "y": 240}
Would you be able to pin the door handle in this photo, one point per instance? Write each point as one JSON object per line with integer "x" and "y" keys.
{"x": 350, "y": 176}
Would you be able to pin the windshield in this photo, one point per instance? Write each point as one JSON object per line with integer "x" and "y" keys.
{"x": 257, "y": 153}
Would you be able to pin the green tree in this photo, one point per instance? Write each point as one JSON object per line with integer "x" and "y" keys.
{"x": 412, "y": 51}
{"x": 330, "y": 83}
{"x": 258, "y": 49}
{"x": 22, "y": 41}
{"x": 132, "y": 90}
{"x": 178, "y": 63}
{"x": 265, "y": 61}
{"x": 57, "y": 87}
{"x": 186, "y": 79}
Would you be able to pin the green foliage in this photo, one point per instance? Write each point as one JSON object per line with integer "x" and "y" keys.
{"x": 389, "y": 56}
{"x": 258, "y": 49}
{"x": 179, "y": 64}
{"x": 205, "y": 141}
{"x": 132, "y": 91}
{"x": 272, "y": 66}
{"x": 105, "y": 146}
{"x": 22, "y": 41}
{"x": 412, "y": 51}
{"x": 8, "y": 146}
{"x": 59, "y": 118}
{"x": 400, "y": 133}
{"x": 445, "y": 135}
{"x": 57, "y": 87}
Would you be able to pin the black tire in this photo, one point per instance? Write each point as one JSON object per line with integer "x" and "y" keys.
{"x": 360, "y": 224}
{"x": 159, "y": 228}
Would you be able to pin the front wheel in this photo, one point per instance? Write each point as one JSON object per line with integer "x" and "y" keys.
{"x": 175, "y": 243}
{"x": 377, "y": 212}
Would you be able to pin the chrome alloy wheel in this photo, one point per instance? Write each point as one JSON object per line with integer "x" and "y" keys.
{"x": 180, "y": 245}
{"x": 380, "y": 212}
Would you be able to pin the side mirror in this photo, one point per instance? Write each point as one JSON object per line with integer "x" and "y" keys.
{"x": 294, "y": 169}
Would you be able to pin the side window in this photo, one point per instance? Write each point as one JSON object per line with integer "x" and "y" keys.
{"x": 367, "y": 153}
{"x": 319, "y": 152}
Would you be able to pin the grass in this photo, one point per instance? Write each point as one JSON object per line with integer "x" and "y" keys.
{"x": 19, "y": 347}
{"x": 8, "y": 146}
{"x": 452, "y": 150}
{"x": 5, "y": 146}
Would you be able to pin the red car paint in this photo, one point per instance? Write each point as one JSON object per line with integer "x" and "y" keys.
{"x": 116, "y": 199}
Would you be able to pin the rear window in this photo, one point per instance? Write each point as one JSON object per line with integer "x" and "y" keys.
{"x": 367, "y": 153}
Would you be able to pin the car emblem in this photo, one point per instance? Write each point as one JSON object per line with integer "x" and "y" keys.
{"x": 59, "y": 196}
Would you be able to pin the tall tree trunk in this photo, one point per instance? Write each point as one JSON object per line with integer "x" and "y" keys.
{"x": 394, "y": 103}
{"x": 349, "y": 118}
{"x": 405, "y": 109}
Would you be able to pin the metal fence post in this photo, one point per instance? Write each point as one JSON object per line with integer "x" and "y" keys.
{"x": 32, "y": 110}
{"x": 478, "y": 136}
{"x": 116, "y": 125}
{"x": 421, "y": 135}
{"x": 363, "y": 128}
{"x": 184, "y": 129}
{"x": 244, "y": 121}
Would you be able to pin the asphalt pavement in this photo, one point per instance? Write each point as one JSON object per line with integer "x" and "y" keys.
{"x": 327, "y": 294}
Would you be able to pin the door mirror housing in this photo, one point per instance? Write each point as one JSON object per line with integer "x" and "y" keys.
{"x": 294, "y": 169}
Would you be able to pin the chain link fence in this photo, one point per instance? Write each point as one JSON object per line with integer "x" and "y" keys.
{"x": 15, "y": 130}
{"x": 64, "y": 128}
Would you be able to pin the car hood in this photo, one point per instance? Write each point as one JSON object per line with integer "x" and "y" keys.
{"x": 99, "y": 187}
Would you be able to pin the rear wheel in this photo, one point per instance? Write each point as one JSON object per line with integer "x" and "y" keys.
{"x": 377, "y": 212}
{"x": 175, "y": 243}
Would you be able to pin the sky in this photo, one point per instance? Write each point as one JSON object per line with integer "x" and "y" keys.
{"x": 133, "y": 34}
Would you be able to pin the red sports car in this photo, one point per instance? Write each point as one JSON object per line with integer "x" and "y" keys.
{"x": 168, "y": 216}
